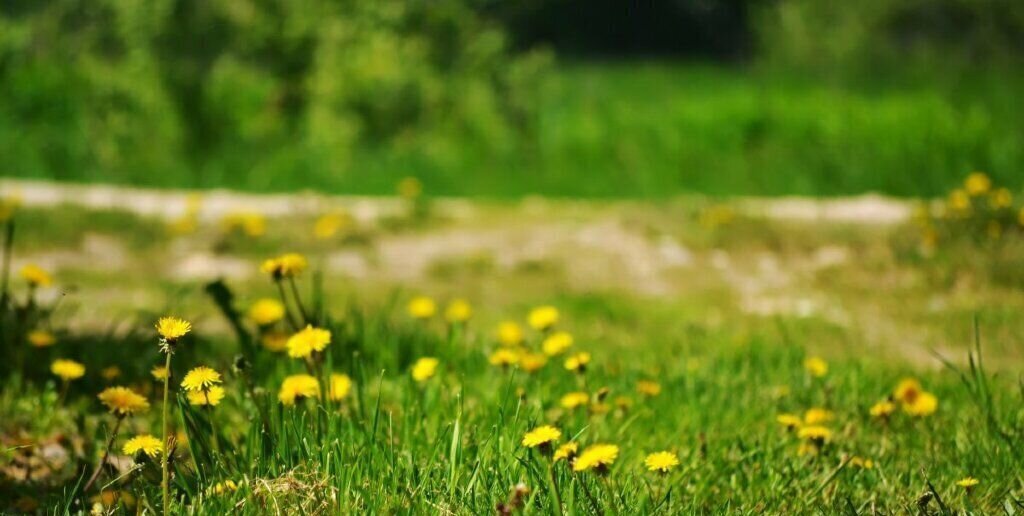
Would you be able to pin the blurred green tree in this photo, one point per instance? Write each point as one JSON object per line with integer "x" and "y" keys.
{"x": 151, "y": 91}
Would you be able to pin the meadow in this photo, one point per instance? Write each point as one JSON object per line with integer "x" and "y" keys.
{"x": 424, "y": 356}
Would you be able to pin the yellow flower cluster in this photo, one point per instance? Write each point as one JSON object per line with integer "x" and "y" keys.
{"x": 661, "y": 462}
{"x": 297, "y": 387}
{"x": 543, "y": 436}
{"x": 123, "y": 401}
{"x": 914, "y": 399}
{"x": 287, "y": 265}
{"x": 330, "y": 224}
{"x": 171, "y": 329}
{"x": 35, "y": 276}
{"x": 422, "y": 307}
{"x": 816, "y": 367}
{"x": 250, "y": 224}
{"x": 597, "y": 457}
{"x": 41, "y": 338}
{"x": 976, "y": 209}
{"x": 308, "y": 340}
{"x": 202, "y": 387}
{"x": 67, "y": 370}
{"x": 458, "y": 311}
{"x": 147, "y": 444}
{"x": 424, "y": 369}
{"x": 267, "y": 311}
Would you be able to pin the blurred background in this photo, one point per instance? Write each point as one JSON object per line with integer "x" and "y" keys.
{"x": 595, "y": 98}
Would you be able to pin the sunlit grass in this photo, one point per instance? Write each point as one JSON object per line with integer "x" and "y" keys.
{"x": 402, "y": 403}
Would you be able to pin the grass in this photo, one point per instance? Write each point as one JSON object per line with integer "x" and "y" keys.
{"x": 452, "y": 443}
{"x": 620, "y": 130}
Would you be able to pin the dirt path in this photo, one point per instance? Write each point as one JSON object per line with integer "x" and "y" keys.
{"x": 582, "y": 246}
{"x": 864, "y": 209}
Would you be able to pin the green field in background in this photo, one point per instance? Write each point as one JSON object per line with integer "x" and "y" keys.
{"x": 643, "y": 130}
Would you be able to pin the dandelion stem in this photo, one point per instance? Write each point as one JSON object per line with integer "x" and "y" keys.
{"x": 165, "y": 474}
{"x": 106, "y": 454}
{"x": 287, "y": 309}
{"x": 298, "y": 300}
{"x": 6, "y": 275}
{"x": 64, "y": 385}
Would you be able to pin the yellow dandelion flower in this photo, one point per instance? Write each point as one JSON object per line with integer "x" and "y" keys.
{"x": 815, "y": 433}
{"x": 959, "y": 202}
{"x": 410, "y": 188}
{"x": 424, "y": 369}
{"x": 200, "y": 378}
{"x": 543, "y": 436}
{"x": 807, "y": 448}
{"x": 789, "y": 421}
{"x": 123, "y": 401}
{"x": 308, "y": 340}
{"x": 329, "y": 224}
{"x": 341, "y": 385}
{"x": 648, "y": 388}
{"x": 574, "y": 399}
{"x": 67, "y": 370}
{"x": 159, "y": 373}
{"x": 862, "y": 463}
{"x": 578, "y": 362}
{"x": 145, "y": 443}
{"x": 557, "y": 343}
{"x": 882, "y": 409}
{"x": 566, "y": 451}
{"x": 211, "y": 396}
{"x": 183, "y": 225}
{"x": 422, "y": 307}
{"x": 266, "y": 311}
{"x": 41, "y": 338}
{"x": 110, "y": 373}
{"x": 977, "y": 183}
{"x": 285, "y": 266}
{"x": 172, "y": 328}
{"x": 968, "y": 482}
{"x": 504, "y": 357}
{"x": 924, "y": 404}
{"x": 227, "y": 486}
{"x": 36, "y": 276}
{"x": 274, "y": 341}
{"x": 1001, "y": 198}
{"x": 532, "y": 362}
{"x": 661, "y": 462}
{"x": 297, "y": 387}
{"x": 252, "y": 224}
{"x": 907, "y": 390}
{"x": 542, "y": 317}
{"x": 458, "y": 311}
{"x": 509, "y": 334}
{"x": 623, "y": 402}
{"x": 596, "y": 457}
{"x": 817, "y": 367}
{"x": 815, "y": 416}
{"x": 8, "y": 205}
